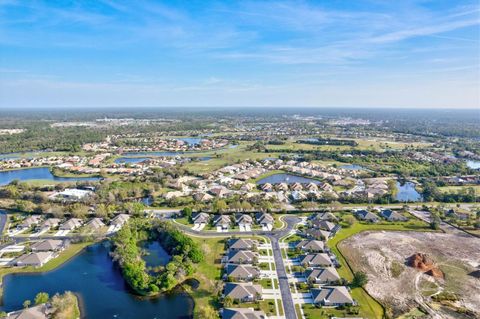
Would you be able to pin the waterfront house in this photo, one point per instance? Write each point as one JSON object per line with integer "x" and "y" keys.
{"x": 49, "y": 245}
{"x": 243, "y": 313}
{"x": 120, "y": 220}
{"x": 243, "y": 292}
{"x": 37, "y": 259}
{"x": 242, "y": 272}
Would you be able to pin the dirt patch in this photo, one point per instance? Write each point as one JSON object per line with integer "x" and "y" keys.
{"x": 424, "y": 263}
{"x": 382, "y": 254}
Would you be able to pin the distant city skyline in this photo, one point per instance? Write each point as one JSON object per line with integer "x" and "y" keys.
{"x": 109, "y": 53}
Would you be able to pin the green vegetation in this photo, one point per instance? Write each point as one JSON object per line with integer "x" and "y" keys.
{"x": 185, "y": 253}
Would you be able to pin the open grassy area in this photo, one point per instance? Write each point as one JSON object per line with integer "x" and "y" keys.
{"x": 454, "y": 189}
{"x": 208, "y": 273}
{"x": 64, "y": 256}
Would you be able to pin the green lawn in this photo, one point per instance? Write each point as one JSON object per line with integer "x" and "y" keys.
{"x": 208, "y": 273}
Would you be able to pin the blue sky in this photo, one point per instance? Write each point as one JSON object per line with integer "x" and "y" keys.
{"x": 240, "y": 53}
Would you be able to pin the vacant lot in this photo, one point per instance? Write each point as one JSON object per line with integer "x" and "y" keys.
{"x": 382, "y": 256}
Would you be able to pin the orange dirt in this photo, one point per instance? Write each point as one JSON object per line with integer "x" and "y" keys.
{"x": 424, "y": 263}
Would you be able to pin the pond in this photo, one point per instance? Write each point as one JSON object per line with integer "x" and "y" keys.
{"x": 156, "y": 255}
{"x": 473, "y": 164}
{"x": 38, "y": 173}
{"x": 407, "y": 193}
{"x": 161, "y": 153}
{"x": 286, "y": 178}
{"x": 104, "y": 294}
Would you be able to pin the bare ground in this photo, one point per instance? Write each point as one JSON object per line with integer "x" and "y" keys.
{"x": 382, "y": 255}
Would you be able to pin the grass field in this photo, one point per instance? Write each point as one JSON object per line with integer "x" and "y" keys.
{"x": 208, "y": 274}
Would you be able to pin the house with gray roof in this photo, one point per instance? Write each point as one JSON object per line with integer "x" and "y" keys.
{"x": 242, "y": 244}
{"x": 222, "y": 221}
{"x": 71, "y": 224}
{"x": 242, "y": 272}
{"x": 33, "y": 259}
{"x": 95, "y": 223}
{"x": 242, "y": 257}
{"x": 42, "y": 311}
{"x": 323, "y": 276}
{"x": 120, "y": 220}
{"x": 313, "y": 246}
{"x": 393, "y": 216}
{"x": 244, "y": 220}
{"x": 366, "y": 216}
{"x": 325, "y": 216}
{"x": 332, "y": 296}
{"x": 265, "y": 219}
{"x": 318, "y": 234}
{"x": 243, "y": 292}
{"x": 243, "y": 313}
{"x": 29, "y": 222}
{"x": 316, "y": 260}
{"x": 49, "y": 245}
{"x": 201, "y": 218}
{"x": 50, "y": 223}
{"x": 324, "y": 225}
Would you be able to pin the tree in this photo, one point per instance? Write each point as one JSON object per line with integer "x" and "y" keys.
{"x": 435, "y": 223}
{"x": 79, "y": 211}
{"x": 187, "y": 212}
{"x": 207, "y": 312}
{"x": 360, "y": 279}
{"x": 41, "y": 297}
{"x": 350, "y": 220}
{"x": 26, "y": 304}
{"x": 220, "y": 206}
{"x": 227, "y": 302}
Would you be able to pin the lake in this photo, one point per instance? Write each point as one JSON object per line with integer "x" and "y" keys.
{"x": 408, "y": 193}
{"x": 190, "y": 140}
{"x": 473, "y": 164}
{"x": 104, "y": 293}
{"x": 38, "y": 173}
{"x": 131, "y": 160}
{"x": 286, "y": 178}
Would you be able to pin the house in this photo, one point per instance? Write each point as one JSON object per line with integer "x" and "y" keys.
{"x": 324, "y": 225}
{"x": 242, "y": 257}
{"x": 243, "y": 313}
{"x": 242, "y": 272}
{"x": 33, "y": 259}
{"x": 267, "y": 187}
{"x": 296, "y": 187}
{"x": 393, "y": 216}
{"x": 282, "y": 187}
{"x": 323, "y": 276}
{"x": 243, "y": 292}
{"x": 201, "y": 218}
{"x": 311, "y": 187}
{"x": 42, "y": 311}
{"x": 29, "y": 222}
{"x": 203, "y": 197}
{"x": 222, "y": 221}
{"x": 49, "y": 245}
{"x": 50, "y": 223}
{"x": 71, "y": 224}
{"x": 219, "y": 191}
{"x": 95, "y": 223}
{"x": 247, "y": 187}
{"x": 316, "y": 260}
{"x": 318, "y": 234}
{"x": 265, "y": 220}
{"x": 120, "y": 220}
{"x": 244, "y": 220}
{"x": 72, "y": 194}
{"x": 313, "y": 246}
{"x": 242, "y": 244}
{"x": 332, "y": 296}
{"x": 366, "y": 216}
